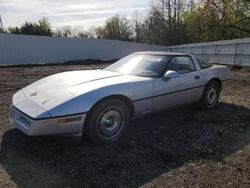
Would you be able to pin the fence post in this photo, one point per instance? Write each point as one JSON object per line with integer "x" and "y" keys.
{"x": 235, "y": 52}
{"x": 202, "y": 52}
{"x": 215, "y": 52}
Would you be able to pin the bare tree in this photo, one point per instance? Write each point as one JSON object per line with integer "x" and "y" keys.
{"x": 1, "y": 25}
{"x": 85, "y": 35}
{"x": 172, "y": 24}
{"x": 236, "y": 13}
{"x": 116, "y": 27}
{"x": 67, "y": 31}
{"x": 137, "y": 25}
{"x": 58, "y": 33}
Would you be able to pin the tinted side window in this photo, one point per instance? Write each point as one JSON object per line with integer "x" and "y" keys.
{"x": 181, "y": 64}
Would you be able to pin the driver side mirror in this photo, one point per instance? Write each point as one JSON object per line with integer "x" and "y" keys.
{"x": 170, "y": 74}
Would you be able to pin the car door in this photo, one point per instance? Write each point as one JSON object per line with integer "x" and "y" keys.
{"x": 178, "y": 91}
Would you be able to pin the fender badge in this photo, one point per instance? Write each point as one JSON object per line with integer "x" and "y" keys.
{"x": 33, "y": 94}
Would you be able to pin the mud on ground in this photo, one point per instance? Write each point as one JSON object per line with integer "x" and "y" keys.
{"x": 180, "y": 148}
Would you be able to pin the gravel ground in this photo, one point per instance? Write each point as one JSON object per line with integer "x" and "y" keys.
{"x": 179, "y": 148}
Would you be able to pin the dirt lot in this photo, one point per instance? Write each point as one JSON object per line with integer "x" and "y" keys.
{"x": 181, "y": 148}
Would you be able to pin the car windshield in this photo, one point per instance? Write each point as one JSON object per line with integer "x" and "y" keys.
{"x": 140, "y": 65}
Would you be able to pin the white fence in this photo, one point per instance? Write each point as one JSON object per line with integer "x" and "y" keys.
{"x": 234, "y": 52}
{"x": 25, "y": 49}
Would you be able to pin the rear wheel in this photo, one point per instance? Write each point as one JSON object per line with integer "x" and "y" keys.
{"x": 210, "y": 95}
{"x": 107, "y": 123}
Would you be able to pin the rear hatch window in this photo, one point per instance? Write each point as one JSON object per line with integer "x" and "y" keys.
{"x": 204, "y": 64}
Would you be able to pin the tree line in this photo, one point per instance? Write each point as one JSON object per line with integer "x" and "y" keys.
{"x": 167, "y": 22}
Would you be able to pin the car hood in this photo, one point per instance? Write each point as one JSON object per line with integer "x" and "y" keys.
{"x": 56, "y": 87}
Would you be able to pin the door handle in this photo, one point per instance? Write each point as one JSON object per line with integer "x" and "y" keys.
{"x": 196, "y": 77}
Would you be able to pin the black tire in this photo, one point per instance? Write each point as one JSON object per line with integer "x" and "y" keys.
{"x": 107, "y": 122}
{"x": 210, "y": 95}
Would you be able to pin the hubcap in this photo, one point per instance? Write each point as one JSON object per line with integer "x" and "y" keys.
{"x": 212, "y": 96}
{"x": 110, "y": 122}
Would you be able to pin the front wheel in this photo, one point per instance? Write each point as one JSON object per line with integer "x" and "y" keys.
{"x": 107, "y": 123}
{"x": 210, "y": 95}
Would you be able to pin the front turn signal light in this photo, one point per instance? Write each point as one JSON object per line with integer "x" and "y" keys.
{"x": 69, "y": 120}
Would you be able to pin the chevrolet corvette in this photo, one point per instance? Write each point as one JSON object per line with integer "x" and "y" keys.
{"x": 100, "y": 104}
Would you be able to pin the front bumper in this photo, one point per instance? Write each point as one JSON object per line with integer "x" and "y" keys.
{"x": 48, "y": 126}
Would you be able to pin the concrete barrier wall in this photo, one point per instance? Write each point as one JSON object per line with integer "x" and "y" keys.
{"x": 25, "y": 49}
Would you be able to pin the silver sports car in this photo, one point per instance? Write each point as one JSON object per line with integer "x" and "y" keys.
{"x": 101, "y": 103}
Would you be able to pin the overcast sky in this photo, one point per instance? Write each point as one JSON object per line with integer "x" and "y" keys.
{"x": 67, "y": 12}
